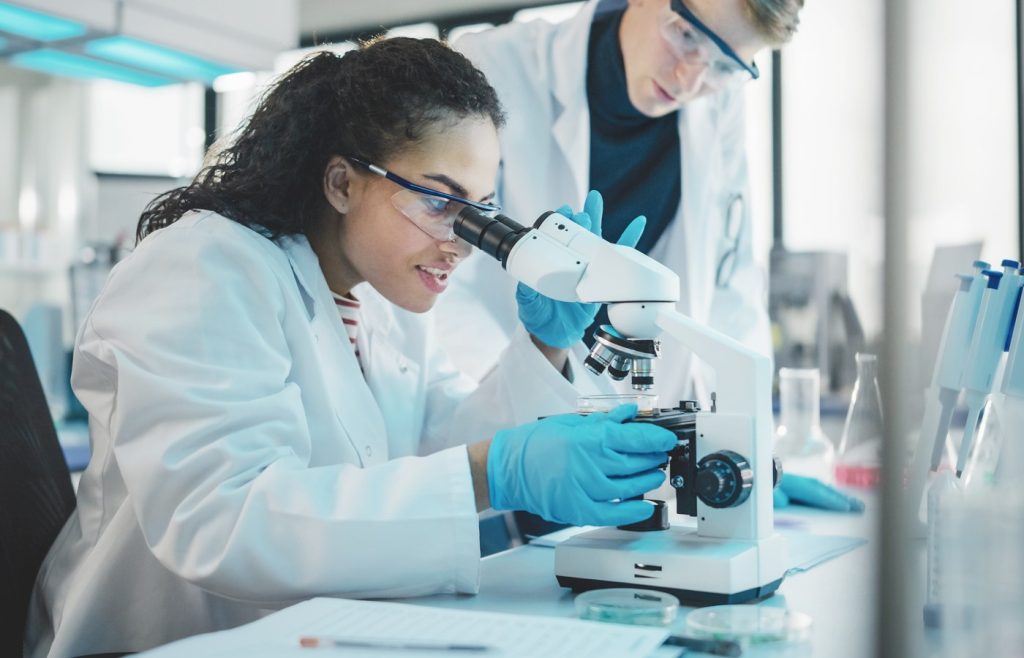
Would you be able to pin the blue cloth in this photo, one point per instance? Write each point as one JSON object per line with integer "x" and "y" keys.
{"x": 579, "y": 469}
{"x": 77, "y": 457}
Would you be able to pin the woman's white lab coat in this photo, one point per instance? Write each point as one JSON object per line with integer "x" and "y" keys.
{"x": 539, "y": 72}
{"x": 242, "y": 461}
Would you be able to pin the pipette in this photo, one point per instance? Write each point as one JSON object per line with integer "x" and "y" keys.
{"x": 1011, "y": 459}
{"x": 986, "y": 349}
{"x": 941, "y": 396}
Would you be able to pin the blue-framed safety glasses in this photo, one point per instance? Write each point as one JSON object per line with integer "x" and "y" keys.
{"x": 433, "y": 211}
{"x": 691, "y": 40}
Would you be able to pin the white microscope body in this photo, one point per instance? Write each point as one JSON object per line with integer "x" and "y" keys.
{"x": 733, "y": 553}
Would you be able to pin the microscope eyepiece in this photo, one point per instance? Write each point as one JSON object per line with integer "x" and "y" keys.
{"x": 493, "y": 234}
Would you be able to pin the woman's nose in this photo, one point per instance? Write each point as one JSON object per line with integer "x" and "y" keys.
{"x": 457, "y": 248}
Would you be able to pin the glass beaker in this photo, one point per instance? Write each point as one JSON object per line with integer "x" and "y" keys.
{"x": 859, "y": 460}
{"x": 800, "y": 442}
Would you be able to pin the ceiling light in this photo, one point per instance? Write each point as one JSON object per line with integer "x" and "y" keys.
{"x": 58, "y": 62}
{"x": 36, "y": 25}
{"x": 160, "y": 59}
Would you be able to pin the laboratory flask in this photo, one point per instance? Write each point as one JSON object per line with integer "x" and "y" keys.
{"x": 800, "y": 442}
{"x": 860, "y": 447}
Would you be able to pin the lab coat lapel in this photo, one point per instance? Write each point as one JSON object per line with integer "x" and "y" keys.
{"x": 698, "y": 137}
{"x": 571, "y": 127}
{"x": 391, "y": 374}
{"x": 354, "y": 405}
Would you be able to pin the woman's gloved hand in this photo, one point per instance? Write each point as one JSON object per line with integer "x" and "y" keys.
{"x": 561, "y": 324}
{"x": 801, "y": 490}
{"x": 572, "y": 469}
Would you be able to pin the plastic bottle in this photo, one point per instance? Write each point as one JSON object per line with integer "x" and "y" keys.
{"x": 859, "y": 460}
{"x": 800, "y": 442}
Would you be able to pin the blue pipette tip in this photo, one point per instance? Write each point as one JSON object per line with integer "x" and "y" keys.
{"x": 1007, "y": 262}
{"x": 982, "y": 264}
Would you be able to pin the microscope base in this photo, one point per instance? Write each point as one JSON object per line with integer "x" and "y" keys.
{"x": 697, "y": 570}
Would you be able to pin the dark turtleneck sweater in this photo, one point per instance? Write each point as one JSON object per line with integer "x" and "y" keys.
{"x": 634, "y": 159}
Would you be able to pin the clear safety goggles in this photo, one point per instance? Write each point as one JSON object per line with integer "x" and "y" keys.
{"x": 693, "y": 42}
{"x": 432, "y": 211}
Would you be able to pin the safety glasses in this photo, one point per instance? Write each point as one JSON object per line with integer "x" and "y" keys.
{"x": 691, "y": 41}
{"x": 432, "y": 211}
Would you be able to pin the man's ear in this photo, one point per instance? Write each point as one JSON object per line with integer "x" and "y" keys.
{"x": 338, "y": 183}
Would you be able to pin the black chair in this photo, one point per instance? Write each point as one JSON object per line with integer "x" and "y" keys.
{"x": 36, "y": 497}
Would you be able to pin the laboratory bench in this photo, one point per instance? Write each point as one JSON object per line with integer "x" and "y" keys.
{"x": 839, "y": 594}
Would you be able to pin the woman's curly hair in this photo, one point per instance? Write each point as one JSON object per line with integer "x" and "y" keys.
{"x": 372, "y": 102}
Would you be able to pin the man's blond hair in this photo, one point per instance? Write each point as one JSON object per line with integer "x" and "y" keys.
{"x": 776, "y": 20}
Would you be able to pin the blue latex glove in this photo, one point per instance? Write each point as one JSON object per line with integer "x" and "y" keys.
{"x": 572, "y": 469}
{"x": 801, "y": 490}
{"x": 561, "y": 324}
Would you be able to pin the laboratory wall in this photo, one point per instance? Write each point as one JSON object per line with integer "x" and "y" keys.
{"x": 44, "y": 186}
{"x": 963, "y": 168}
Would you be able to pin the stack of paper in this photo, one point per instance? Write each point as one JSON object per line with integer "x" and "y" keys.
{"x": 398, "y": 627}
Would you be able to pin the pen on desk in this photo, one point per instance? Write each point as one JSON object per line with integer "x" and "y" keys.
{"x": 317, "y": 642}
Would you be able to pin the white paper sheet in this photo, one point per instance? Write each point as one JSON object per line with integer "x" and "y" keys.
{"x": 509, "y": 636}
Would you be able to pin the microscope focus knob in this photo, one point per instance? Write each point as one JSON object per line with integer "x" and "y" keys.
{"x": 724, "y": 479}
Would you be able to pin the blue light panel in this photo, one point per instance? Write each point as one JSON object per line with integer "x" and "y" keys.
{"x": 135, "y": 52}
{"x": 36, "y": 25}
{"x": 58, "y": 62}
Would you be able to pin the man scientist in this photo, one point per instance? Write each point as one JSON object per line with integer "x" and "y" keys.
{"x": 643, "y": 101}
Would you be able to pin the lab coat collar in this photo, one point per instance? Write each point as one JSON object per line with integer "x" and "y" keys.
{"x": 353, "y": 402}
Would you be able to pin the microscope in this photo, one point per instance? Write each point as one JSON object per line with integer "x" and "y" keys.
{"x": 722, "y": 466}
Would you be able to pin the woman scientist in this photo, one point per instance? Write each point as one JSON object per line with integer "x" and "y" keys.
{"x": 270, "y": 417}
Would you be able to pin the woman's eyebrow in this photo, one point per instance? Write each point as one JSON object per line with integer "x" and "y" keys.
{"x": 446, "y": 180}
{"x": 456, "y": 189}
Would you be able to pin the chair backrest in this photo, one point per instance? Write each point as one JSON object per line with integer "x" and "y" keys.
{"x": 36, "y": 497}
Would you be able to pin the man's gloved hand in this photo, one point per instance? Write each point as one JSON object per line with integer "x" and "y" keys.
{"x": 572, "y": 469}
{"x": 801, "y": 490}
{"x": 561, "y": 324}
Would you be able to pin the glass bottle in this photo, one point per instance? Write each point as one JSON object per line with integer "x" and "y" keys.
{"x": 859, "y": 460}
{"x": 800, "y": 442}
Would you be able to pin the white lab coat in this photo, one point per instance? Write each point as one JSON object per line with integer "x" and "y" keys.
{"x": 242, "y": 461}
{"x": 539, "y": 72}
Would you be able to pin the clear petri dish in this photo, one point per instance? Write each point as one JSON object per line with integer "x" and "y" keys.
{"x": 646, "y": 403}
{"x": 624, "y": 605}
{"x": 749, "y": 624}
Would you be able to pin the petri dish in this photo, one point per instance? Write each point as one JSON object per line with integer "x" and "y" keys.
{"x": 626, "y": 605}
{"x": 646, "y": 403}
{"x": 749, "y": 624}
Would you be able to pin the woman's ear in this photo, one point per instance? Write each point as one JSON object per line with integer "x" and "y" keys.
{"x": 337, "y": 183}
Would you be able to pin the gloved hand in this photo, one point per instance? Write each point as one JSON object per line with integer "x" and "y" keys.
{"x": 571, "y": 469}
{"x": 801, "y": 490}
{"x": 561, "y": 324}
